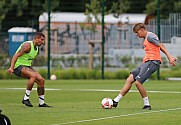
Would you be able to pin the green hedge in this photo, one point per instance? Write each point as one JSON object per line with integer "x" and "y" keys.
{"x": 94, "y": 74}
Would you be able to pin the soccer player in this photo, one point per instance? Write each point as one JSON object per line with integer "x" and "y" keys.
{"x": 21, "y": 65}
{"x": 150, "y": 64}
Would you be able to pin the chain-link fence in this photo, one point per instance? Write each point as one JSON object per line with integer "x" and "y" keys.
{"x": 71, "y": 36}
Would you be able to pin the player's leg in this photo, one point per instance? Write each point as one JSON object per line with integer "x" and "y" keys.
{"x": 124, "y": 91}
{"x": 143, "y": 94}
{"x": 127, "y": 86}
{"x": 146, "y": 71}
{"x": 141, "y": 89}
{"x": 31, "y": 75}
{"x": 41, "y": 90}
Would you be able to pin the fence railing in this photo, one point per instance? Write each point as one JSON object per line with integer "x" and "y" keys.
{"x": 71, "y": 38}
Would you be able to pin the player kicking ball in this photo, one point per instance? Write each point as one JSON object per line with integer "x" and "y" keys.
{"x": 150, "y": 64}
{"x": 21, "y": 65}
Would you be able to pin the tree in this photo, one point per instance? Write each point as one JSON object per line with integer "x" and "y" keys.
{"x": 137, "y": 6}
{"x": 93, "y": 12}
{"x": 72, "y": 5}
{"x": 166, "y": 7}
{"x": 23, "y": 12}
{"x": 27, "y": 12}
{"x": 6, "y": 6}
{"x": 119, "y": 7}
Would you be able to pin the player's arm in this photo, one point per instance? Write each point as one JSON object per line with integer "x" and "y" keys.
{"x": 172, "y": 60}
{"x": 154, "y": 39}
{"x": 25, "y": 48}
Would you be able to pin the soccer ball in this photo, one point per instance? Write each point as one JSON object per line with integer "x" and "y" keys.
{"x": 53, "y": 77}
{"x": 107, "y": 103}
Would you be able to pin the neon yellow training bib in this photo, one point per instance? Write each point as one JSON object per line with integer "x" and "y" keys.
{"x": 27, "y": 58}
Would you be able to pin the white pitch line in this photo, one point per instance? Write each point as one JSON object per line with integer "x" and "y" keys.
{"x": 119, "y": 116}
{"x": 96, "y": 90}
{"x": 107, "y": 90}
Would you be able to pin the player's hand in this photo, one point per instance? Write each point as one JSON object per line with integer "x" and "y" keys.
{"x": 173, "y": 61}
{"x": 10, "y": 70}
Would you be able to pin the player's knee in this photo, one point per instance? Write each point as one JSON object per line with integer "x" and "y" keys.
{"x": 130, "y": 79}
{"x": 33, "y": 76}
{"x": 42, "y": 81}
{"x": 137, "y": 83}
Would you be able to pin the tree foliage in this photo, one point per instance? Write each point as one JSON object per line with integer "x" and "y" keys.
{"x": 26, "y": 12}
{"x": 166, "y": 7}
{"x": 119, "y": 7}
{"x": 23, "y": 12}
{"x": 93, "y": 10}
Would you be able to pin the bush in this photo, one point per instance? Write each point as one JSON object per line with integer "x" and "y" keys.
{"x": 90, "y": 74}
{"x": 43, "y": 73}
{"x": 110, "y": 75}
{"x": 93, "y": 74}
{"x": 2, "y": 75}
{"x": 122, "y": 74}
{"x": 5, "y": 75}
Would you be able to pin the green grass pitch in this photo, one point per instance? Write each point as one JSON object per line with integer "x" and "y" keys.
{"x": 78, "y": 102}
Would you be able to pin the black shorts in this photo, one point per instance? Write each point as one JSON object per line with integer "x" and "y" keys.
{"x": 17, "y": 70}
{"x": 145, "y": 70}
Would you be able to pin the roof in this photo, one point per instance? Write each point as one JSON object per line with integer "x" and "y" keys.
{"x": 132, "y": 18}
{"x": 22, "y": 30}
{"x": 81, "y": 17}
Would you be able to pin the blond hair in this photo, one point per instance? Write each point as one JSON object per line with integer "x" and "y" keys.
{"x": 138, "y": 26}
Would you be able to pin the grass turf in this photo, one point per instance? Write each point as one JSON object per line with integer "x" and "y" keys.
{"x": 78, "y": 102}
